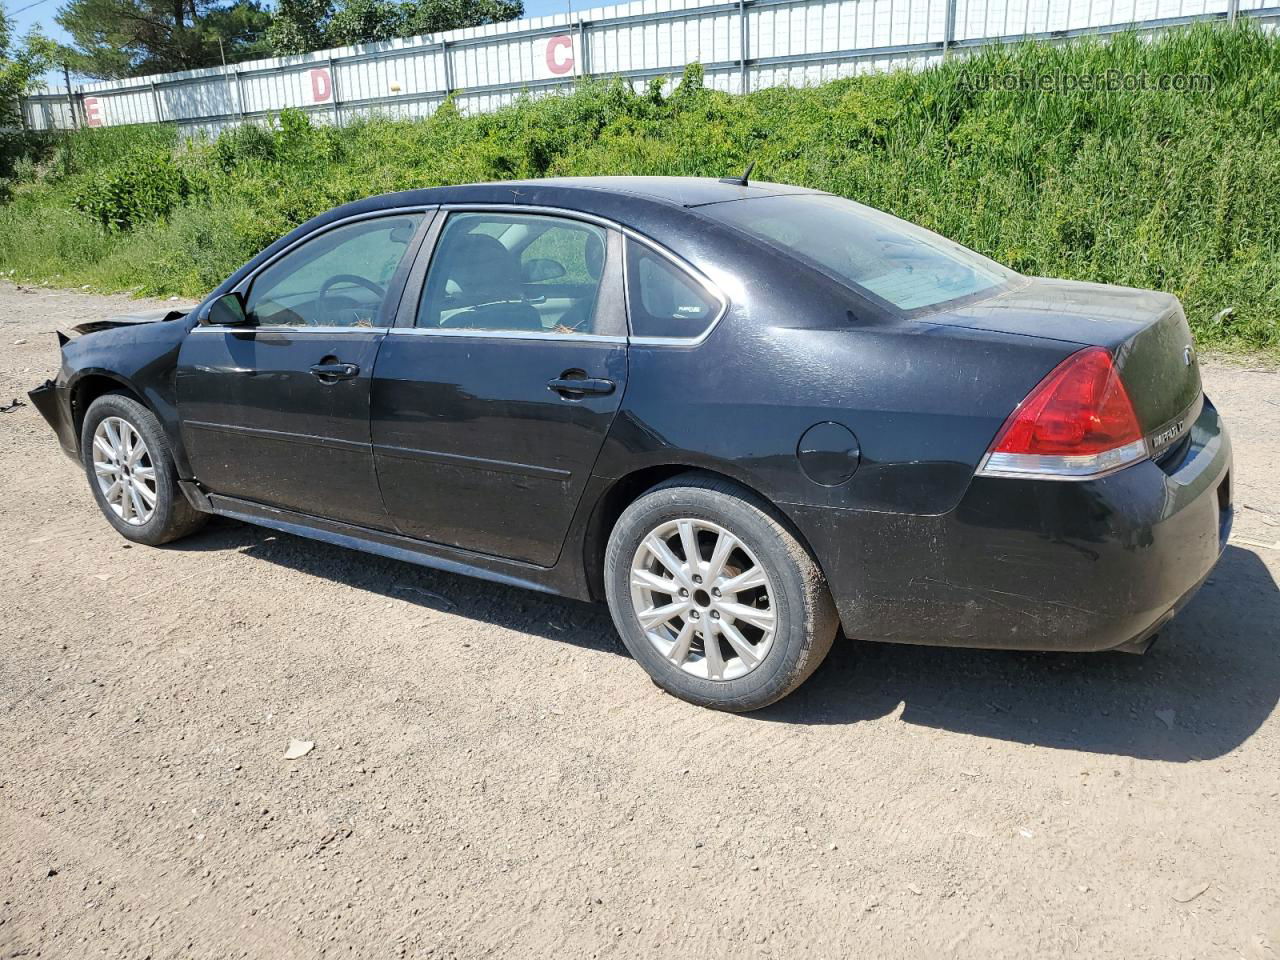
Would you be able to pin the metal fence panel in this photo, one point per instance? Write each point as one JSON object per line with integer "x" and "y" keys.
{"x": 742, "y": 44}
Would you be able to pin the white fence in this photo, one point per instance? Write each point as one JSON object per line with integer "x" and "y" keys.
{"x": 742, "y": 45}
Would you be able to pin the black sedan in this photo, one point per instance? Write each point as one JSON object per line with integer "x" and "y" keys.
{"x": 746, "y": 415}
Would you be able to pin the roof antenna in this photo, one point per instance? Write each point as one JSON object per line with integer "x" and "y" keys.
{"x": 742, "y": 180}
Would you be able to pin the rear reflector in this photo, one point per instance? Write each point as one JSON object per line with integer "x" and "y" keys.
{"x": 1077, "y": 424}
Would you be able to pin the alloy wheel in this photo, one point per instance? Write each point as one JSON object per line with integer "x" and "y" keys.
{"x": 703, "y": 599}
{"x": 124, "y": 470}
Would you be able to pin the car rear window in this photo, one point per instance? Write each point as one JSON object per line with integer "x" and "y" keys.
{"x": 896, "y": 261}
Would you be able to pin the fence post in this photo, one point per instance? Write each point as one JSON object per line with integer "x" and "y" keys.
{"x": 743, "y": 33}
{"x": 333, "y": 85}
{"x": 949, "y": 38}
{"x": 235, "y": 71}
{"x": 1233, "y": 10}
{"x": 71, "y": 100}
{"x": 584, "y": 49}
{"x": 155, "y": 101}
{"x": 448, "y": 67}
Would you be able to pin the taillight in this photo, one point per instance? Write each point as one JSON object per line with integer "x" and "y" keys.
{"x": 1078, "y": 423}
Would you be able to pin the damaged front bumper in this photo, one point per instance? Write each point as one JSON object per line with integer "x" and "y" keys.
{"x": 51, "y": 400}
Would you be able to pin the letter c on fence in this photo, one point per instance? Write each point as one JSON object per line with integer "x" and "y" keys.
{"x": 93, "y": 111}
{"x": 556, "y": 62}
{"x": 321, "y": 86}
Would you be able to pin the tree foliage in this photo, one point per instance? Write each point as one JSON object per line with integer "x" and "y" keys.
{"x": 20, "y": 65}
{"x": 300, "y": 26}
{"x": 128, "y": 38}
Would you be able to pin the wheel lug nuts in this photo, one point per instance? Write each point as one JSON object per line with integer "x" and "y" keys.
{"x": 684, "y": 593}
{"x": 697, "y": 579}
{"x": 715, "y": 592}
{"x": 715, "y": 614}
{"x": 693, "y": 614}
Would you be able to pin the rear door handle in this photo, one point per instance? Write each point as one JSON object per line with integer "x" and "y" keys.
{"x": 333, "y": 372}
{"x": 573, "y": 387}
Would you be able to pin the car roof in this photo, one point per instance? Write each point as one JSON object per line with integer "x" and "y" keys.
{"x": 681, "y": 191}
{"x": 586, "y": 193}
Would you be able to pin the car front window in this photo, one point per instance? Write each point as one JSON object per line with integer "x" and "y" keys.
{"x": 339, "y": 278}
{"x": 898, "y": 262}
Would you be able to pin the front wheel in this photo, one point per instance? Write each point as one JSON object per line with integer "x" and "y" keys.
{"x": 715, "y": 597}
{"x": 131, "y": 472}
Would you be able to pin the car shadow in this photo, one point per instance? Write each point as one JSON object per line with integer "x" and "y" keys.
{"x": 555, "y": 618}
{"x": 1212, "y": 678}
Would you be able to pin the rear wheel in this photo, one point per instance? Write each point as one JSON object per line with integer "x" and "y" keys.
{"x": 715, "y": 597}
{"x": 131, "y": 472}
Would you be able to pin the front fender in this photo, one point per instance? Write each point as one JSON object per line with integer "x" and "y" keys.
{"x": 141, "y": 359}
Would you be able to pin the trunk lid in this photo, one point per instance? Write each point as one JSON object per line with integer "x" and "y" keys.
{"x": 1146, "y": 332}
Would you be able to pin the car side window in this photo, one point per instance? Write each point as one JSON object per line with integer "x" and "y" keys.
{"x": 337, "y": 279}
{"x": 514, "y": 272}
{"x": 663, "y": 300}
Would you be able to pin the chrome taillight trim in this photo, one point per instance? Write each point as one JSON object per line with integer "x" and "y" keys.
{"x": 1034, "y": 466}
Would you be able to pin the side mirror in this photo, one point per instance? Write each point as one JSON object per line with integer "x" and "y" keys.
{"x": 227, "y": 310}
{"x": 538, "y": 270}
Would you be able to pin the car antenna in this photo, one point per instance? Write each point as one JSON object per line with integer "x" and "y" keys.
{"x": 742, "y": 180}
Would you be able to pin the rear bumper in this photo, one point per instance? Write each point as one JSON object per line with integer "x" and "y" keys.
{"x": 51, "y": 400}
{"x": 1035, "y": 564}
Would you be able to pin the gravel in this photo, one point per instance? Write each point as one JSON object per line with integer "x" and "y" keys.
{"x": 492, "y": 775}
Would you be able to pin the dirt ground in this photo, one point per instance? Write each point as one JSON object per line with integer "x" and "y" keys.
{"x": 493, "y": 776}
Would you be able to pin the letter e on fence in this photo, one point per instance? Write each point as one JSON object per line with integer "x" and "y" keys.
{"x": 92, "y": 112}
{"x": 560, "y": 55}
{"x": 321, "y": 86}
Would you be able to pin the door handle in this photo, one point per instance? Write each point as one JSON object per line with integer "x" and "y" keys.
{"x": 573, "y": 387}
{"x": 333, "y": 372}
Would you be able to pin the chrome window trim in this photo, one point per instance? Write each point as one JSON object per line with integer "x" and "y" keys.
{"x": 246, "y": 282}
{"x": 478, "y": 334}
{"x": 697, "y": 276}
{"x": 529, "y": 208}
{"x": 284, "y": 328}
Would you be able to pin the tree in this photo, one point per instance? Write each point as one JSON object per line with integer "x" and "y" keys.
{"x": 20, "y": 66}
{"x": 129, "y": 38}
{"x": 300, "y": 26}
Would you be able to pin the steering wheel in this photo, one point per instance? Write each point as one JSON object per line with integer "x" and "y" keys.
{"x": 324, "y": 299}
{"x": 369, "y": 285}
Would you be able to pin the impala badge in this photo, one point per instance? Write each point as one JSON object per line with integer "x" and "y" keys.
{"x": 1188, "y": 354}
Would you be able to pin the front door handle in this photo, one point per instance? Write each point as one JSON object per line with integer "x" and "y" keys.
{"x": 333, "y": 372}
{"x": 574, "y": 387}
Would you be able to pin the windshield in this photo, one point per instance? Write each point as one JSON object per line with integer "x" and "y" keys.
{"x": 906, "y": 265}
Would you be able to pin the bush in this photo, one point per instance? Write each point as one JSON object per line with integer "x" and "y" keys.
{"x": 1178, "y": 191}
{"x": 132, "y": 191}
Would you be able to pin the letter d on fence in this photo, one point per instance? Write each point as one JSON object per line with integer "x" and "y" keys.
{"x": 321, "y": 86}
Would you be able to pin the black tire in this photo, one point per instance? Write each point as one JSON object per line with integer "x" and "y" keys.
{"x": 173, "y": 515}
{"x": 806, "y": 620}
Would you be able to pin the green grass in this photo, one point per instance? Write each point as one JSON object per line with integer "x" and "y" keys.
{"x": 1175, "y": 191}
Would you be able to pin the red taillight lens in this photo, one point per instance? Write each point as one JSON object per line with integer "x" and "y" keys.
{"x": 1081, "y": 407}
{"x": 1078, "y": 422}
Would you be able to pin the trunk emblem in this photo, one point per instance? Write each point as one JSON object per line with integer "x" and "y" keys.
{"x": 1188, "y": 354}
{"x": 1167, "y": 435}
